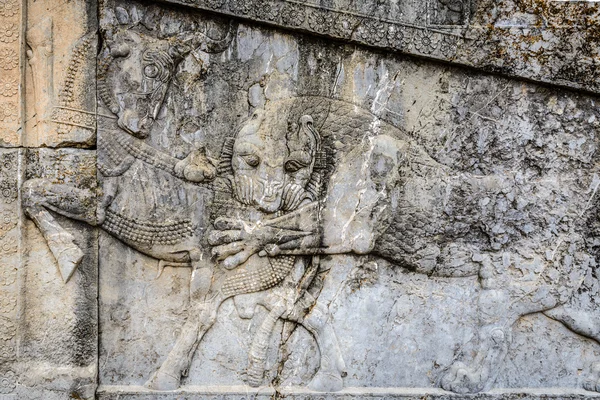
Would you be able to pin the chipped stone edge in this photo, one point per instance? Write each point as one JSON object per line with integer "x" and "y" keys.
{"x": 446, "y": 43}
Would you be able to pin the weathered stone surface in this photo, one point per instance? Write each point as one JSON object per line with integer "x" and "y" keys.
{"x": 9, "y": 272}
{"x": 545, "y": 40}
{"x": 11, "y": 67}
{"x": 58, "y": 322}
{"x": 61, "y": 73}
{"x": 214, "y": 200}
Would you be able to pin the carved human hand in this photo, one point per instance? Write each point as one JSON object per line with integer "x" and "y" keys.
{"x": 236, "y": 240}
{"x": 196, "y": 167}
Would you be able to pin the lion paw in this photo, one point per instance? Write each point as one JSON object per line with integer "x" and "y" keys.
{"x": 462, "y": 379}
{"x": 592, "y": 382}
{"x": 326, "y": 382}
{"x": 162, "y": 381}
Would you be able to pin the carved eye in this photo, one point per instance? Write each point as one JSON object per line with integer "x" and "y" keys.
{"x": 251, "y": 159}
{"x": 293, "y": 165}
{"x": 151, "y": 71}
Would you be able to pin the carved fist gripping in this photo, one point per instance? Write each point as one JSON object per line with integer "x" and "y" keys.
{"x": 196, "y": 167}
{"x": 235, "y": 240}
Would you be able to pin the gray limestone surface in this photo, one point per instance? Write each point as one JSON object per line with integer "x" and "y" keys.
{"x": 277, "y": 199}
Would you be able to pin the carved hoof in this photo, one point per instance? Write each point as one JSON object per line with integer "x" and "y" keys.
{"x": 67, "y": 254}
{"x": 196, "y": 167}
{"x": 70, "y": 257}
{"x": 162, "y": 381}
{"x": 592, "y": 383}
{"x": 461, "y": 379}
{"x": 326, "y": 382}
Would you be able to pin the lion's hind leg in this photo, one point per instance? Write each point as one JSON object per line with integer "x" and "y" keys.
{"x": 179, "y": 359}
{"x": 504, "y": 298}
{"x": 494, "y": 339}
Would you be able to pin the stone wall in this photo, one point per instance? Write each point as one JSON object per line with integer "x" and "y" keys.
{"x": 276, "y": 199}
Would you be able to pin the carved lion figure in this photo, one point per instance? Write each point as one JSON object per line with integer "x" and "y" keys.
{"x": 270, "y": 174}
{"x": 384, "y": 195}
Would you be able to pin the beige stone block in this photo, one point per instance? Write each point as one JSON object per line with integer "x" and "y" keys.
{"x": 60, "y": 74}
{"x": 11, "y": 68}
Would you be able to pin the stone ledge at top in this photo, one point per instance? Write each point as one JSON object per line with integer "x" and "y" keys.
{"x": 550, "y": 41}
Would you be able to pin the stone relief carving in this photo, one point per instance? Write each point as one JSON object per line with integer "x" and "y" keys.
{"x": 40, "y": 58}
{"x": 449, "y": 12}
{"x": 479, "y": 30}
{"x": 8, "y": 273}
{"x": 279, "y": 221}
{"x": 10, "y": 18}
{"x": 63, "y": 106}
{"x": 10, "y": 121}
{"x": 303, "y": 179}
{"x": 272, "y": 175}
{"x": 143, "y": 74}
{"x": 395, "y": 174}
{"x": 367, "y": 24}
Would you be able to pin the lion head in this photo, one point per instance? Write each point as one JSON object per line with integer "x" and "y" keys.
{"x": 273, "y": 160}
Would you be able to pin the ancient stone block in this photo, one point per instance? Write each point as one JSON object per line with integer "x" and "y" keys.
{"x": 11, "y": 67}
{"x": 58, "y": 320}
{"x": 276, "y": 199}
{"x": 61, "y": 73}
{"x": 9, "y": 271}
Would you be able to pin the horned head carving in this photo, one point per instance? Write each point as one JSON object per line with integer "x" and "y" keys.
{"x": 140, "y": 57}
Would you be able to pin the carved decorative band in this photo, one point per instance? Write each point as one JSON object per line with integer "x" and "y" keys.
{"x": 8, "y": 272}
{"x": 74, "y": 117}
{"x": 263, "y": 278}
{"x": 144, "y": 152}
{"x": 10, "y": 73}
{"x": 347, "y": 25}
